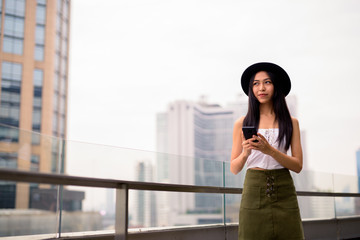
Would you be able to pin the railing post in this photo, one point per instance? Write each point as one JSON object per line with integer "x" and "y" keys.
{"x": 121, "y": 212}
{"x": 61, "y": 164}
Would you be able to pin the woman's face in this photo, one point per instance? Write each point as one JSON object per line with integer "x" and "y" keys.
{"x": 263, "y": 87}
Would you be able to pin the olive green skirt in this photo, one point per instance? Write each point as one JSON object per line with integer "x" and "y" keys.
{"x": 269, "y": 208}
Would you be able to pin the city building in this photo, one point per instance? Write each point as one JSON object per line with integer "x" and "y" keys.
{"x": 144, "y": 211}
{"x": 34, "y": 53}
{"x": 197, "y": 137}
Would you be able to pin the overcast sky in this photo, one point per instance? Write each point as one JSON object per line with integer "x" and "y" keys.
{"x": 129, "y": 59}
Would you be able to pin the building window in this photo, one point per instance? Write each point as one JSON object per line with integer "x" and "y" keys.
{"x": 15, "y": 7}
{"x": 0, "y": 15}
{"x": 40, "y": 14}
{"x": 62, "y": 126}
{"x": 41, "y": 2}
{"x": 62, "y": 105}
{"x": 63, "y": 68}
{"x": 37, "y": 105}
{"x": 39, "y": 53}
{"x": 8, "y": 134}
{"x": 8, "y": 160}
{"x": 55, "y": 124}
{"x": 40, "y": 31}
{"x": 14, "y": 26}
{"x": 34, "y": 166}
{"x": 10, "y": 96}
{"x": 13, "y": 45}
{"x": 7, "y": 189}
{"x": 57, "y": 63}
{"x": 7, "y": 199}
{"x": 40, "y": 35}
{"x": 38, "y": 77}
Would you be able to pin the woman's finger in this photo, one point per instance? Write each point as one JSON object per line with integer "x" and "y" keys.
{"x": 261, "y": 137}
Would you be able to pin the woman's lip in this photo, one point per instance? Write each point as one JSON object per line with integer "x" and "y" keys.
{"x": 262, "y": 95}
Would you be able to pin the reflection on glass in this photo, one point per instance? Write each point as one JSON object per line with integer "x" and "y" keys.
{"x": 167, "y": 209}
{"x": 31, "y": 214}
{"x": 87, "y": 209}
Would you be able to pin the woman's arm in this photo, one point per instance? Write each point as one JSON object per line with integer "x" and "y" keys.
{"x": 293, "y": 162}
{"x": 238, "y": 156}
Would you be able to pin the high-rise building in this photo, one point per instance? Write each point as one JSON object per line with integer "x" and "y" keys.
{"x": 145, "y": 205}
{"x": 34, "y": 53}
{"x": 198, "y": 139}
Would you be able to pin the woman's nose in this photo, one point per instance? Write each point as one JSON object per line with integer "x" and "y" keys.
{"x": 262, "y": 86}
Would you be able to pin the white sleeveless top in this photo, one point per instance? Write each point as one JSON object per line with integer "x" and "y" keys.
{"x": 260, "y": 160}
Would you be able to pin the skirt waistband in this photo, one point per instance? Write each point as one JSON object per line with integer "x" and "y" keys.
{"x": 261, "y": 178}
{"x": 270, "y": 172}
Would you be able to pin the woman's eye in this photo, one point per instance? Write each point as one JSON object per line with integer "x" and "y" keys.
{"x": 268, "y": 82}
{"x": 256, "y": 83}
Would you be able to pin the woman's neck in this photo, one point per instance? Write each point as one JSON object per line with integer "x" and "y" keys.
{"x": 266, "y": 109}
{"x": 267, "y": 116}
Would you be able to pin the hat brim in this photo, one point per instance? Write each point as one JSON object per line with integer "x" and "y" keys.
{"x": 281, "y": 76}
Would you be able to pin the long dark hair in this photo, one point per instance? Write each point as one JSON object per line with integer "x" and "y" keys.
{"x": 282, "y": 114}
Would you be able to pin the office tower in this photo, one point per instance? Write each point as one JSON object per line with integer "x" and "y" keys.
{"x": 198, "y": 138}
{"x": 145, "y": 205}
{"x": 34, "y": 43}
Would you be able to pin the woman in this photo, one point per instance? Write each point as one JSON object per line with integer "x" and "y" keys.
{"x": 269, "y": 207}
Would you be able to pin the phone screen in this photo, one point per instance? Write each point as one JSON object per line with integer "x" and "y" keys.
{"x": 249, "y": 131}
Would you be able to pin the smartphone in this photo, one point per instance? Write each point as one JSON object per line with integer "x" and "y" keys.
{"x": 249, "y": 131}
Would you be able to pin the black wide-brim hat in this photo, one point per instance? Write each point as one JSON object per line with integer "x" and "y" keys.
{"x": 282, "y": 78}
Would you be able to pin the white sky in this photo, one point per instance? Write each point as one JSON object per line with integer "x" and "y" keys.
{"x": 130, "y": 58}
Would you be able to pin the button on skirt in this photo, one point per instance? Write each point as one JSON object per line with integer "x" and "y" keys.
{"x": 269, "y": 208}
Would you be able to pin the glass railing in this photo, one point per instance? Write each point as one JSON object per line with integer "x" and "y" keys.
{"x": 33, "y": 208}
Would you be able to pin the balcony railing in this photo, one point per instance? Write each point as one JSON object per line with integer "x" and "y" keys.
{"x": 114, "y": 193}
{"x": 122, "y": 191}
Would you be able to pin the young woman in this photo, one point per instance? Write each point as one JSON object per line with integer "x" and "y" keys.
{"x": 269, "y": 207}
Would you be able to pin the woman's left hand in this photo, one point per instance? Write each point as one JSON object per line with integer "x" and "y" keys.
{"x": 262, "y": 145}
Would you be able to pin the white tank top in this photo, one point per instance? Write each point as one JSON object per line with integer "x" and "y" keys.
{"x": 260, "y": 160}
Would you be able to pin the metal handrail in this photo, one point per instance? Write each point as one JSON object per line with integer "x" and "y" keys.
{"x": 61, "y": 179}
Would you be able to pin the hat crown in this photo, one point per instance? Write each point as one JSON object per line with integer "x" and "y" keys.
{"x": 281, "y": 75}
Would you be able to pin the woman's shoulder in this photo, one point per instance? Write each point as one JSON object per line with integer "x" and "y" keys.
{"x": 239, "y": 122}
{"x": 295, "y": 122}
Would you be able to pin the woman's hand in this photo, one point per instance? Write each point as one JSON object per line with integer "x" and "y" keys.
{"x": 246, "y": 146}
{"x": 262, "y": 145}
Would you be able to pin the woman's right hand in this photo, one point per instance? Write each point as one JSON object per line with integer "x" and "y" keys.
{"x": 246, "y": 146}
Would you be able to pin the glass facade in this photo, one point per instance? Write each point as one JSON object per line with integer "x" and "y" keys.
{"x": 8, "y": 160}
{"x": 61, "y": 58}
{"x": 34, "y": 166}
{"x": 37, "y": 104}
{"x": 0, "y": 17}
{"x": 7, "y": 189}
{"x": 7, "y": 199}
{"x": 10, "y": 99}
{"x": 212, "y": 140}
{"x": 14, "y": 22}
{"x": 40, "y": 30}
